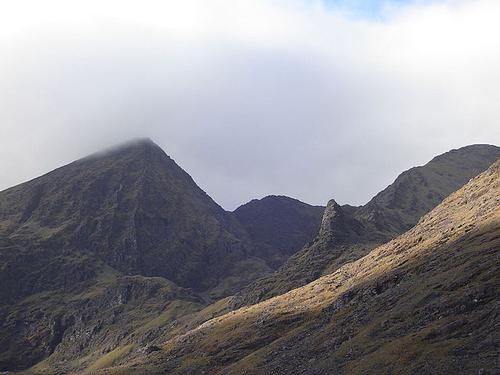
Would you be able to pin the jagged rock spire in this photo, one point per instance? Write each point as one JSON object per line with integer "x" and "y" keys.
{"x": 333, "y": 225}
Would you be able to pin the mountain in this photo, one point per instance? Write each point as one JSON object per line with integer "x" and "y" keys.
{"x": 424, "y": 303}
{"x": 127, "y": 216}
{"x": 281, "y": 223}
{"x": 133, "y": 208}
{"x": 77, "y": 243}
{"x": 418, "y": 190}
{"x": 105, "y": 259}
{"x": 348, "y": 233}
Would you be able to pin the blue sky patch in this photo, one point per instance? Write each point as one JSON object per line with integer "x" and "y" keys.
{"x": 373, "y": 9}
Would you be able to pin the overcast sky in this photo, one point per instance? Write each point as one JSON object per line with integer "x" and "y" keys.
{"x": 311, "y": 99}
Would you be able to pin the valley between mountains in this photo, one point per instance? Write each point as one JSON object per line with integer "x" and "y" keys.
{"x": 118, "y": 263}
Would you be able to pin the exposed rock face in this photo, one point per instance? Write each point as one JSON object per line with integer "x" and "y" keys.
{"x": 424, "y": 303}
{"x": 76, "y": 327}
{"x": 337, "y": 227}
{"x": 348, "y": 233}
{"x": 279, "y": 225}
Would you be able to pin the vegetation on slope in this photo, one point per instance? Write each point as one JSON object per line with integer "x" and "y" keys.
{"x": 88, "y": 253}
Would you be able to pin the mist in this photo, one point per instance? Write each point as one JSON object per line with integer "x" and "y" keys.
{"x": 315, "y": 100}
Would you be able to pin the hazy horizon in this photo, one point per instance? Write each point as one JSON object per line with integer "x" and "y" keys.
{"x": 309, "y": 99}
{"x": 138, "y": 139}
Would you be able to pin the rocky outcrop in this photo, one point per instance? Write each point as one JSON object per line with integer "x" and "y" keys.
{"x": 337, "y": 227}
{"x": 89, "y": 320}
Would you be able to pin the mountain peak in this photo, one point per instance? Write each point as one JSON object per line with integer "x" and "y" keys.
{"x": 280, "y": 223}
{"x": 132, "y": 207}
{"x": 137, "y": 146}
{"x": 143, "y": 142}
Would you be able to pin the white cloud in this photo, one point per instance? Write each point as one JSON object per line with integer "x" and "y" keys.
{"x": 251, "y": 97}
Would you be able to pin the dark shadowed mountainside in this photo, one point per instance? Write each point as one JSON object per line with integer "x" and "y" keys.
{"x": 281, "y": 223}
{"x": 134, "y": 209}
{"x": 418, "y": 190}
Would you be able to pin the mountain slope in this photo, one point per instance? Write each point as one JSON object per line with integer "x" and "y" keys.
{"x": 74, "y": 243}
{"x": 133, "y": 208}
{"x": 394, "y": 210}
{"x": 426, "y": 302}
{"x": 71, "y": 235}
{"x": 105, "y": 258}
{"x": 418, "y": 190}
{"x": 77, "y": 324}
{"x": 280, "y": 223}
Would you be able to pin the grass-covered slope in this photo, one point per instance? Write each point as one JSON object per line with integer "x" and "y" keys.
{"x": 426, "y": 303}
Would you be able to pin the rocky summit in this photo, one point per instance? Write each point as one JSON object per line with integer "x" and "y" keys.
{"x": 119, "y": 263}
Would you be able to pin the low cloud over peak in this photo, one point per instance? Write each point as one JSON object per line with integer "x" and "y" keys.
{"x": 250, "y": 97}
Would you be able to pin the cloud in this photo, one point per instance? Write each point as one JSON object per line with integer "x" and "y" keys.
{"x": 302, "y": 98}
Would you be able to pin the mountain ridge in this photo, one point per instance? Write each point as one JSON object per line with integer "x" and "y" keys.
{"x": 279, "y": 222}
{"x": 391, "y": 212}
{"x": 103, "y": 258}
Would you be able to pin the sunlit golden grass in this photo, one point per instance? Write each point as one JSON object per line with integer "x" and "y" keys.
{"x": 109, "y": 359}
